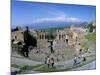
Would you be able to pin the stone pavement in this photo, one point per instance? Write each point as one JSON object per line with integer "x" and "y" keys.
{"x": 24, "y": 61}
{"x": 89, "y": 66}
{"x": 70, "y": 63}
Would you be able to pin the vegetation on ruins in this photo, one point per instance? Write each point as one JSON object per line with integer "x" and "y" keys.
{"x": 91, "y": 27}
{"x": 91, "y": 37}
{"x": 15, "y": 29}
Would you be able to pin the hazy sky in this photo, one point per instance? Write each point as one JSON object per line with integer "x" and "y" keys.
{"x": 33, "y": 12}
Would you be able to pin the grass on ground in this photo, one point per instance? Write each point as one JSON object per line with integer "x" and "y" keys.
{"x": 25, "y": 67}
{"x": 91, "y": 36}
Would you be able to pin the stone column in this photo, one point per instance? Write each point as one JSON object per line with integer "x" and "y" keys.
{"x": 44, "y": 36}
{"x": 40, "y": 37}
{"x": 61, "y": 36}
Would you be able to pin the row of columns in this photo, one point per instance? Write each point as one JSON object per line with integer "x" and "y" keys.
{"x": 61, "y": 36}
{"x": 42, "y": 37}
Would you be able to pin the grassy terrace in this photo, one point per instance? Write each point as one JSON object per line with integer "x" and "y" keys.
{"x": 45, "y": 68}
{"x": 91, "y": 37}
{"x": 25, "y": 67}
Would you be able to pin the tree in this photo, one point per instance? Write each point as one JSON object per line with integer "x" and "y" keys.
{"x": 15, "y": 29}
{"x": 91, "y": 27}
{"x": 50, "y": 36}
{"x": 29, "y": 40}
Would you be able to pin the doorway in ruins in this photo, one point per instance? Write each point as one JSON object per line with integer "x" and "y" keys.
{"x": 66, "y": 41}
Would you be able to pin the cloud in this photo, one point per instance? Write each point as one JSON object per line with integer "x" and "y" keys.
{"x": 61, "y": 18}
{"x": 73, "y": 19}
